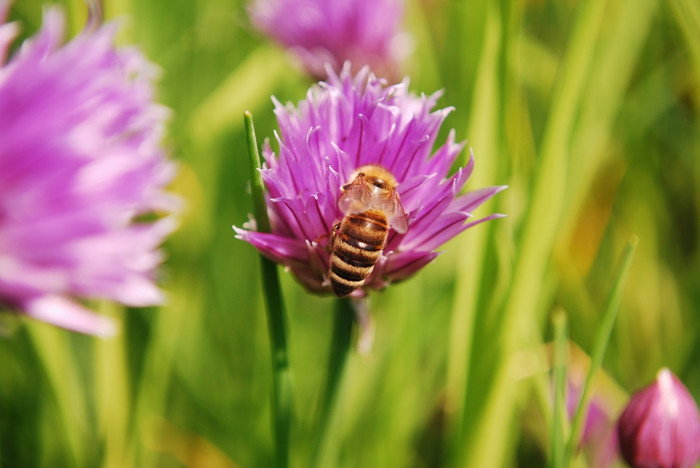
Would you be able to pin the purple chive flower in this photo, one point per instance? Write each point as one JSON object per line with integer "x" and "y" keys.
{"x": 364, "y": 32}
{"x": 80, "y": 164}
{"x": 660, "y": 427}
{"x": 346, "y": 123}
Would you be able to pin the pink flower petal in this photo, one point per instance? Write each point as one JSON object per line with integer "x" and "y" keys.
{"x": 64, "y": 313}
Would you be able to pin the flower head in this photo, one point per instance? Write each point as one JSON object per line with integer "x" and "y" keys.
{"x": 80, "y": 162}
{"x": 660, "y": 427}
{"x": 344, "y": 124}
{"x": 364, "y": 32}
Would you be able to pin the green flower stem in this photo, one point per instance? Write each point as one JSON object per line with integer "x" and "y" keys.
{"x": 341, "y": 340}
{"x": 53, "y": 348}
{"x": 112, "y": 381}
{"x": 153, "y": 385}
{"x": 277, "y": 325}
{"x": 282, "y": 387}
{"x": 257, "y": 188}
{"x": 559, "y": 323}
{"x": 599, "y": 346}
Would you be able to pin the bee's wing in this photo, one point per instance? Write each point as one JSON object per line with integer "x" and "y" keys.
{"x": 396, "y": 214}
{"x": 355, "y": 197}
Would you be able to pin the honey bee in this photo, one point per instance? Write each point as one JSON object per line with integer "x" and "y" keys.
{"x": 371, "y": 204}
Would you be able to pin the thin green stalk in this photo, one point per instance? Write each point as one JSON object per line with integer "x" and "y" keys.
{"x": 599, "y": 346}
{"x": 111, "y": 374}
{"x": 276, "y": 322}
{"x": 560, "y": 325}
{"x": 155, "y": 382}
{"x": 256, "y": 183}
{"x": 341, "y": 339}
{"x": 55, "y": 353}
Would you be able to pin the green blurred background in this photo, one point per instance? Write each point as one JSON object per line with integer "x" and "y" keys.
{"x": 589, "y": 110}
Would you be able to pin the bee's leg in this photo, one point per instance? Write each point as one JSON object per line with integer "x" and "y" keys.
{"x": 336, "y": 226}
{"x": 329, "y": 237}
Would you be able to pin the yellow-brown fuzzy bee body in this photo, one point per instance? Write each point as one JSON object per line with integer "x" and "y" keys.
{"x": 371, "y": 205}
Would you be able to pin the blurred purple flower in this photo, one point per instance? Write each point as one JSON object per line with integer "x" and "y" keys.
{"x": 599, "y": 437}
{"x": 345, "y": 123}
{"x": 364, "y": 32}
{"x": 80, "y": 162}
{"x": 660, "y": 427}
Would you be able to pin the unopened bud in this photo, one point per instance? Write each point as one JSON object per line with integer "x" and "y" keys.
{"x": 660, "y": 427}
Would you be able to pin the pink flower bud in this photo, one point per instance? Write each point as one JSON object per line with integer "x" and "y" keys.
{"x": 661, "y": 426}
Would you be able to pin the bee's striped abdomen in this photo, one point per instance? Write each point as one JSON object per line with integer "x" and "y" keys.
{"x": 357, "y": 244}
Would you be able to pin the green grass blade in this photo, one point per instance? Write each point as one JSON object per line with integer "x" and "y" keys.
{"x": 487, "y": 445}
{"x": 687, "y": 15}
{"x": 613, "y": 69}
{"x": 112, "y": 396}
{"x": 276, "y": 321}
{"x": 53, "y": 348}
{"x": 472, "y": 245}
{"x": 559, "y": 322}
{"x": 151, "y": 395}
{"x": 599, "y": 346}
